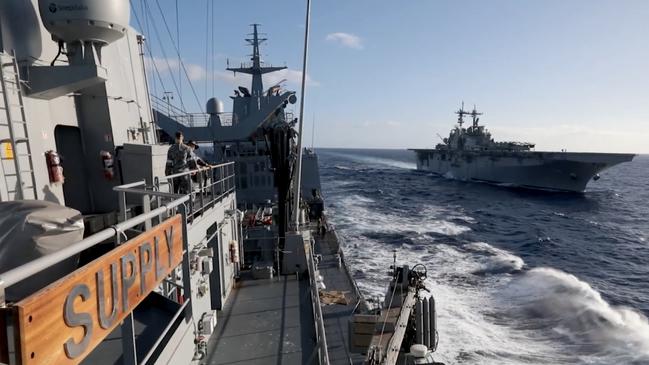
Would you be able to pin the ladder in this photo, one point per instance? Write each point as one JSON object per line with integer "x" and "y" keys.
{"x": 16, "y": 155}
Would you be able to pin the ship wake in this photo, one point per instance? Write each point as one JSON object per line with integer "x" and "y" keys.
{"x": 492, "y": 309}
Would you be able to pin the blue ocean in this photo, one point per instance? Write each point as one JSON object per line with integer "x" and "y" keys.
{"x": 519, "y": 277}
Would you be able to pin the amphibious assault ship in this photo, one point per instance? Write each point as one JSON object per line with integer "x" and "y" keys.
{"x": 102, "y": 261}
{"x": 472, "y": 154}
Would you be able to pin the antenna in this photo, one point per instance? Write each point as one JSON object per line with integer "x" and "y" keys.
{"x": 313, "y": 132}
{"x": 298, "y": 167}
{"x": 461, "y": 113}
{"x": 440, "y": 137}
{"x": 255, "y": 68}
{"x": 474, "y": 115}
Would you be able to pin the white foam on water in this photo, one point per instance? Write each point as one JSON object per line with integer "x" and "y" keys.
{"x": 596, "y": 331}
{"x": 357, "y": 211}
{"x": 392, "y": 163}
{"x": 490, "y": 310}
{"x": 341, "y": 167}
{"x": 376, "y": 160}
{"x": 467, "y": 333}
{"x": 495, "y": 260}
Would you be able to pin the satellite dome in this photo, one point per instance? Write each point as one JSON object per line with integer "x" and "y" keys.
{"x": 100, "y": 21}
{"x": 214, "y": 106}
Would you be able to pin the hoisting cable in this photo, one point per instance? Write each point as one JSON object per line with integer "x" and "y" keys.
{"x": 164, "y": 54}
{"x": 178, "y": 41}
{"x": 207, "y": 41}
{"x": 148, "y": 48}
{"x": 182, "y": 64}
{"x": 212, "y": 73}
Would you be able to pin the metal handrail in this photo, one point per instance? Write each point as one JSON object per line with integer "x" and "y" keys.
{"x": 166, "y": 330}
{"x": 345, "y": 265}
{"x": 321, "y": 337}
{"x": 181, "y": 116}
{"x": 15, "y": 275}
{"x": 214, "y": 188}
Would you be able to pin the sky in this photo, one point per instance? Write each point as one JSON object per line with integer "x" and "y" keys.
{"x": 564, "y": 74}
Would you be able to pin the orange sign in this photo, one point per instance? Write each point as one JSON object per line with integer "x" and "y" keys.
{"x": 63, "y": 322}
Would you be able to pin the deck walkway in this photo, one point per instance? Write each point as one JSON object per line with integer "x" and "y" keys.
{"x": 270, "y": 321}
{"x": 336, "y": 316}
{"x": 265, "y": 321}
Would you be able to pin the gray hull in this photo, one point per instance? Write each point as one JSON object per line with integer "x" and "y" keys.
{"x": 559, "y": 171}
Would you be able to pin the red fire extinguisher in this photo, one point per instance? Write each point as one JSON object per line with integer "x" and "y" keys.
{"x": 107, "y": 164}
{"x": 54, "y": 168}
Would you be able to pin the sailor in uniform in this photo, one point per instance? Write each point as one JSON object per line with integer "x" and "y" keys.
{"x": 178, "y": 157}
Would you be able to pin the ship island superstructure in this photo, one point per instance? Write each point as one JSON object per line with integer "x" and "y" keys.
{"x": 472, "y": 154}
{"x": 103, "y": 262}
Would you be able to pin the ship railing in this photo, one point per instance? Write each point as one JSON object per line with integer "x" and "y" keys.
{"x": 117, "y": 231}
{"x": 204, "y": 188}
{"x": 183, "y": 117}
{"x": 226, "y": 119}
{"x": 321, "y": 338}
{"x": 345, "y": 266}
{"x": 118, "y": 234}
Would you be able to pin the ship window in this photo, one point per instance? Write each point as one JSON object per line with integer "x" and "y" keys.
{"x": 256, "y": 180}
{"x": 256, "y": 167}
{"x": 244, "y": 182}
{"x": 243, "y": 168}
{"x": 443, "y": 157}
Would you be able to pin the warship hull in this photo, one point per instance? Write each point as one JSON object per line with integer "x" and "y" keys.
{"x": 554, "y": 171}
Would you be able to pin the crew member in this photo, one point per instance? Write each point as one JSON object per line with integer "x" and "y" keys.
{"x": 197, "y": 163}
{"x": 178, "y": 157}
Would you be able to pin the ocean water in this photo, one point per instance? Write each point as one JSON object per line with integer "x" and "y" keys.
{"x": 519, "y": 277}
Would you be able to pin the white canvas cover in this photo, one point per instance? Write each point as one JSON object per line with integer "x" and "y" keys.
{"x": 33, "y": 228}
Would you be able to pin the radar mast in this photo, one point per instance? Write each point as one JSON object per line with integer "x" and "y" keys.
{"x": 461, "y": 113}
{"x": 474, "y": 115}
{"x": 255, "y": 68}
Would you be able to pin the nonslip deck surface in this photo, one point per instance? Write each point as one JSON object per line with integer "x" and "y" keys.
{"x": 337, "y": 316}
{"x": 265, "y": 322}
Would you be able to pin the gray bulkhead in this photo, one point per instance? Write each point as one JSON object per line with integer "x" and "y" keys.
{"x": 107, "y": 115}
{"x": 112, "y": 116}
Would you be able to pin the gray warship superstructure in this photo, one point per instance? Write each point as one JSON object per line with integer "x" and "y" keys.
{"x": 102, "y": 261}
{"x": 472, "y": 154}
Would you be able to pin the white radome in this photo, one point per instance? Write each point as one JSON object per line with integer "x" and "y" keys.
{"x": 99, "y": 21}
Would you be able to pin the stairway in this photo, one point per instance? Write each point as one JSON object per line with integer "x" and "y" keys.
{"x": 15, "y": 152}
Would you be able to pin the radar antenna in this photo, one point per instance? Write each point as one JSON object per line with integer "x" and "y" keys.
{"x": 474, "y": 115}
{"x": 256, "y": 67}
{"x": 461, "y": 113}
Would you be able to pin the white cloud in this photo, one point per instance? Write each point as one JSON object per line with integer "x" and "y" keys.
{"x": 345, "y": 39}
{"x": 380, "y": 124}
{"x": 291, "y": 76}
{"x": 393, "y": 123}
